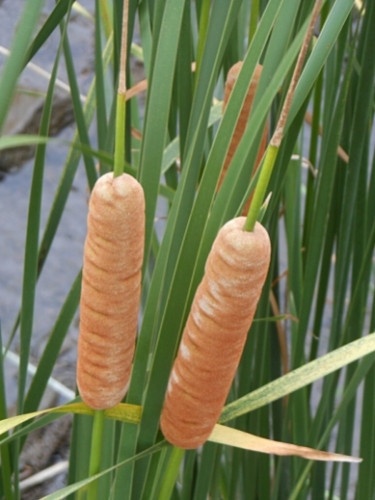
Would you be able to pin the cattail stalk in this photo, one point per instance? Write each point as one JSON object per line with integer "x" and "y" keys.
{"x": 242, "y": 121}
{"x": 275, "y": 142}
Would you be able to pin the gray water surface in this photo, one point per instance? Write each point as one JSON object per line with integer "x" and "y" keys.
{"x": 65, "y": 257}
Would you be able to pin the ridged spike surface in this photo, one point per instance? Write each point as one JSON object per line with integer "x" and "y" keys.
{"x": 215, "y": 333}
{"x": 111, "y": 288}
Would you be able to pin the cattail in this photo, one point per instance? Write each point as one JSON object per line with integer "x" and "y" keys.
{"x": 242, "y": 121}
{"x": 215, "y": 333}
{"x": 111, "y": 287}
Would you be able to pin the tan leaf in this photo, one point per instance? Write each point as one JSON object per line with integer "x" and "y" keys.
{"x": 234, "y": 437}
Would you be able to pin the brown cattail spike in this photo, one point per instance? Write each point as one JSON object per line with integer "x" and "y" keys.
{"x": 111, "y": 287}
{"x": 215, "y": 333}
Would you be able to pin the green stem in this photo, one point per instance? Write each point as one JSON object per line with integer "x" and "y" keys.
{"x": 95, "y": 456}
{"x": 273, "y": 147}
{"x": 172, "y": 471}
{"x": 261, "y": 187}
{"x": 5, "y": 451}
{"x": 119, "y": 155}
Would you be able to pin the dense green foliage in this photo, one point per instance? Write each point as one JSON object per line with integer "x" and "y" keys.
{"x": 319, "y": 294}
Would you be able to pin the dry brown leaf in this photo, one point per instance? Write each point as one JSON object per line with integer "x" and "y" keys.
{"x": 240, "y": 439}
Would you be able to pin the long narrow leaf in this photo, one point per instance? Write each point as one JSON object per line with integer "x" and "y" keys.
{"x": 300, "y": 377}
